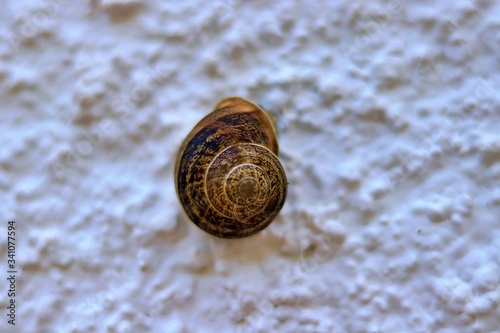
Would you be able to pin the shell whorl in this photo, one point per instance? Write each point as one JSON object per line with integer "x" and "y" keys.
{"x": 228, "y": 177}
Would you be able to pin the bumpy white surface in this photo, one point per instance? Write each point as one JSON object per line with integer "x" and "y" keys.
{"x": 389, "y": 120}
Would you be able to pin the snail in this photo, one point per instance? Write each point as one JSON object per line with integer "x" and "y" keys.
{"x": 228, "y": 178}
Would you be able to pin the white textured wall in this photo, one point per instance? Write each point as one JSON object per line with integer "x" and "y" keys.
{"x": 389, "y": 120}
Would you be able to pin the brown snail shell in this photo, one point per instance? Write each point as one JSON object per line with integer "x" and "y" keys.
{"x": 227, "y": 175}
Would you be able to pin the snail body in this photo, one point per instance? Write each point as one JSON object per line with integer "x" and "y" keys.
{"x": 228, "y": 178}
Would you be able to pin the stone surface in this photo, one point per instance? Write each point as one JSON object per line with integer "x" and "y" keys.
{"x": 389, "y": 118}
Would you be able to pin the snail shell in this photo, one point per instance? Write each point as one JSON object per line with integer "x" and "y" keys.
{"x": 227, "y": 175}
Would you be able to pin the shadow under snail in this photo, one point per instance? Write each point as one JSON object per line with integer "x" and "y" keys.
{"x": 228, "y": 178}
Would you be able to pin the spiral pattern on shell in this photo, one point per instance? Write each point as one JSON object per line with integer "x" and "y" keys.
{"x": 228, "y": 177}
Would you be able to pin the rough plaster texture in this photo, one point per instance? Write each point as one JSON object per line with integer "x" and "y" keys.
{"x": 389, "y": 116}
